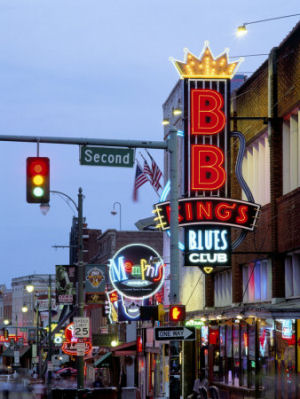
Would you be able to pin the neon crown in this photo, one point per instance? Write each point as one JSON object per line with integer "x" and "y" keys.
{"x": 206, "y": 66}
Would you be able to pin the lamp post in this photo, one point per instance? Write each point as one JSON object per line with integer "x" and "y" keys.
{"x": 114, "y": 212}
{"x": 80, "y": 272}
{"x": 242, "y": 30}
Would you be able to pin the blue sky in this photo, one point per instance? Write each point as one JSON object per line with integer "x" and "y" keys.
{"x": 88, "y": 68}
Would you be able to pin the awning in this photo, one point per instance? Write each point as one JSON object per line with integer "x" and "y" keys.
{"x": 10, "y": 352}
{"x": 103, "y": 361}
{"x": 126, "y": 349}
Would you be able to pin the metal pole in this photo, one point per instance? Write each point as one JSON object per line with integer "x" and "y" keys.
{"x": 49, "y": 335}
{"x": 86, "y": 141}
{"x": 81, "y": 302}
{"x": 174, "y": 392}
{"x": 174, "y": 252}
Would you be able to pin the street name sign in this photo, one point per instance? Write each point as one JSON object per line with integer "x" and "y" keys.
{"x": 175, "y": 334}
{"x": 107, "y": 156}
{"x": 81, "y": 327}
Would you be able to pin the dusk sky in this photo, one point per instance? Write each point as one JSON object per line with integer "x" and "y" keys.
{"x": 89, "y": 68}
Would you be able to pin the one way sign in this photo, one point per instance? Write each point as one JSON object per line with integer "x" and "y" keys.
{"x": 175, "y": 333}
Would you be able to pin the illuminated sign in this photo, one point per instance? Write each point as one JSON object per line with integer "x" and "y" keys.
{"x": 70, "y": 345}
{"x": 136, "y": 271}
{"x": 207, "y": 212}
{"x": 207, "y": 246}
{"x": 210, "y": 211}
{"x": 194, "y": 323}
{"x": 177, "y": 313}
{"x": 206, "y": 65}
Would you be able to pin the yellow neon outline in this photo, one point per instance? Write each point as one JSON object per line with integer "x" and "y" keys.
{"x": 208, "y": 67}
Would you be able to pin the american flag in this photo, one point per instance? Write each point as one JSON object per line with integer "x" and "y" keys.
{"x": 140, "y": 179}
{"x": 156, "y": 173}
{"x": 147, "y": 171}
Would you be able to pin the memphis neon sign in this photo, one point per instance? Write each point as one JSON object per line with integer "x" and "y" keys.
{"x": 136, "y": 271}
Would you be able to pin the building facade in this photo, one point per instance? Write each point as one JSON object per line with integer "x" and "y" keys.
{"x": 247, "y": 314}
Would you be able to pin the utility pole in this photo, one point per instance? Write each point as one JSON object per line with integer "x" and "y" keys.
{"x": 49, "y": 335}
{"x": 80, "y": 291}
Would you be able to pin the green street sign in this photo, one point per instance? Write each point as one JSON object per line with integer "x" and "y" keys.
{"x": 107, "y": 156}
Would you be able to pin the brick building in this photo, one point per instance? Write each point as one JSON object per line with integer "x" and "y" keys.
{"x": 250, "y": 311}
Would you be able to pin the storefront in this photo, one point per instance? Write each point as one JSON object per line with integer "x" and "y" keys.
{"x": 248, "y": 356}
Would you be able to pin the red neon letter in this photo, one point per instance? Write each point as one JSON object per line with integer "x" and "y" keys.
{"x": 207, "y": 172}
{"x": 224, "y": 211}
{"x": 207, "y": 116}
{"x": 168, "y": 210}
{"x": 188, "y": 210}
{"x": 243, "y": 214}
{"x": 204, "y": 210}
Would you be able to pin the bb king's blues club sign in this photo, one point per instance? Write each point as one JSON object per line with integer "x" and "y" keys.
{"x": 136, "y": 271}
{"x": 207, "y": 212}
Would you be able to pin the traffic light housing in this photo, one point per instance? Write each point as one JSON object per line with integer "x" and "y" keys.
{"x": 5, "y": 333}
{"x": 177, "y": 313}
{"x": 149, "y": 312}
{"x": 38, "y": 180}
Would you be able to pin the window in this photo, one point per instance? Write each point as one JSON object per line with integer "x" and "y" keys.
{"x": 290, "y": 153}
{"x": 223, "y": 288}
{"x": 292, "y": 275}
{"x": 257, "y": 281}
{"x": 256, "y": 169}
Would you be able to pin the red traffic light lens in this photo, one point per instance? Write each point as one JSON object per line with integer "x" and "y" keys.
{"x": 37, "y": 166}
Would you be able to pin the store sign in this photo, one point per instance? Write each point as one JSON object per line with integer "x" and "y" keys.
{"x": 95, "y": 284}
{"x": 207, "y": 207}
{"x": 136, "y": 271}
{"x": 65, "y": 284}
{"x": 211, "y": 246}
{"x": 212, "y": 211}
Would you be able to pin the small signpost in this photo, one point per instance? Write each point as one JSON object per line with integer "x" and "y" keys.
{"x": 81, "y": 327}
{"x": 80, "y": 348}
{"x": 175, "y": 334}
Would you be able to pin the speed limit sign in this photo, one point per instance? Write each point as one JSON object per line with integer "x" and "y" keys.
{"x": 81, "y": 327}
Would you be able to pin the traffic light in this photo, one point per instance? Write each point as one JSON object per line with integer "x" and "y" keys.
{"x": 5, "y": 333}
{"x": 38, "y": 180}
{"x": 149, "y": 312}
{"x": 177, "y": 313}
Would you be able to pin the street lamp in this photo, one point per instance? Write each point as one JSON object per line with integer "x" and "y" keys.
{"x": 80, "y": 275}
{"x": 242, "y": 30}
{"x": 29, "y": 288}
{"x": 6, "y": 322}
{"x": 114, "y": 212}
{"x": 24, "y": 308}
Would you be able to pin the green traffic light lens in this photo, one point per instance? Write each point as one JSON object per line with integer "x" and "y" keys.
{"x": 38, "y": 192}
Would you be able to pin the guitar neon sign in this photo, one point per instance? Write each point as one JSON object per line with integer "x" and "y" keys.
{"x": 207, "y": 206}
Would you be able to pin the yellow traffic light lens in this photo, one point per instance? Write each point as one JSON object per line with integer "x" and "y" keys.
{"x": 38, "y": 192}
{"x": 38, "y": 180}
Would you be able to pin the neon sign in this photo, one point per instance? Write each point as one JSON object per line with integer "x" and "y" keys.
{"x": 70, "y": 345}
{"x": 207, "y": 203}
{"x": 136, "y": 271}
{"x": 209, "y": 210}
{"x": 208, "y": 246}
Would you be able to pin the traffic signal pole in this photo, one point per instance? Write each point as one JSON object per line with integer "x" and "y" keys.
{"x": 169, "y": 145}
